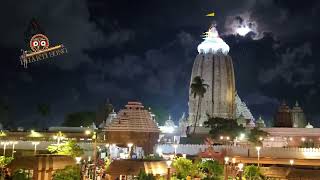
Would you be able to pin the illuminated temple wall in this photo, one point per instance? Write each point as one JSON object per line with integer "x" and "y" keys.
{"x": 219, "y": 100}
{"x": 279, "y": 152}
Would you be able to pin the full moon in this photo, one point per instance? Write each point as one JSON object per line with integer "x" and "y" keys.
{"x": 243, "y": 30}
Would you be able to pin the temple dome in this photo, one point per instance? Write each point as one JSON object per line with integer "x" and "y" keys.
{"x": 309, "y": 125}
{"x": 260, "y": 123}
{"x": 169, "y": 122}
{"x": 213, "y": 43}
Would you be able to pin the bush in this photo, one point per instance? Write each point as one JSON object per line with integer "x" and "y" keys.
{"x": 253, "y": 173}
{"x": 68, "y": 173}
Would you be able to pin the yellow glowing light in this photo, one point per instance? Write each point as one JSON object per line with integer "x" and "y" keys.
{"x": 33, "y": 133}
{"x": 291, "y": 162}
{"x": 2, "y": 134}
{"x": 211, "y": 14}
{"x": 233, "y": 160}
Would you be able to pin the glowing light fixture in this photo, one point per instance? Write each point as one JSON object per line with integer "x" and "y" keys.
{"x": 291, "y": 162}
{"x": 226, "y": 159}
{"x": 240, "y": 166}
{"x": 78, "y": 159}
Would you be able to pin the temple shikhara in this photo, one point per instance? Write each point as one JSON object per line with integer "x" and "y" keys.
{"x": 134, "y": 124}
{"x": 215, "y": 67}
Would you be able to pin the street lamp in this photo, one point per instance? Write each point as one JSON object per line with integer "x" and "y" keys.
{"x": 169, "y": 162}
{"x": 226, "y": 161}
{"x": 78, "y": 159}
{"x": 130, "y": 146}
{"x": 258, "y": 151}
{"x": 35, "y": 147}
{"x": 4, "y": 147}
{"x": 240, "y": 167}
{"x": 13, "y": 145}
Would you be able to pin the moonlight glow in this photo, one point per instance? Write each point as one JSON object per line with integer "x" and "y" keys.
{"x": 242, "y": 31}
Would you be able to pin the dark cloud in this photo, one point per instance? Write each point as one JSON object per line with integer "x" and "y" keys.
{"x": 130, "y": 50}
{"x": 292, "y": 67}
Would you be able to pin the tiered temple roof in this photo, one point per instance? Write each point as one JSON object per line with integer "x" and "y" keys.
{"x": 133, "y": 118}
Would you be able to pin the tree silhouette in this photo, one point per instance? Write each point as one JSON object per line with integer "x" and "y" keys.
{"x": 198, "y": 89}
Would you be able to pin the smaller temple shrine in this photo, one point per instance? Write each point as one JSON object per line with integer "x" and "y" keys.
{"x": 286, "y": 117}
{"x": 133, "y": 125}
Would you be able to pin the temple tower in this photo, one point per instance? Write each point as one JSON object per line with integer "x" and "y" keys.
{"x": 298, "y": 117}
{"x": 214, "y": 66}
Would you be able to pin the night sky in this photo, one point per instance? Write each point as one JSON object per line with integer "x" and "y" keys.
{"x": 144, "y": 50}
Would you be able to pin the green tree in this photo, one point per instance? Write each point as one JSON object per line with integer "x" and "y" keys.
{"x": 185, "y": 167}
{"x": 78, "y": 119}
{"x": 69, "y": 148}
{"x": 256, "y": 136}
{"x": 68, "y": 173}
{"x": 143, "y": 176}
{"x": 212, "y": 169}
{"x": 20, "y": 175}
{"x": 198, "y": 89}
{"x": 103, "y": 112}
{"x": 223, "y": 127}
{"x": 253, "y": 173}
{"x": 4, "y": 161}
{"x": 44, "y": 110}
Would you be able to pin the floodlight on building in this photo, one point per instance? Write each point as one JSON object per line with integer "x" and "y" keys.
{"x": 303, "y": 139}
{"x": 107, "y": 145}
{"x": 228, "y": 137}
{"x": 290, "y": 138}
{"x": 260, "y": 138}
{"x": 221, "y": 137}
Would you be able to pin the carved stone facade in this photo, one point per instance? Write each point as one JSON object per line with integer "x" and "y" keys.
{"x": 214, "y": 66}
{"x": 133, "y": 124}
{"x": 219, "y": 100}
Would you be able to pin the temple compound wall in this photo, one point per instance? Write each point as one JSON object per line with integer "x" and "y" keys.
{"x": 275, "y": 152}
